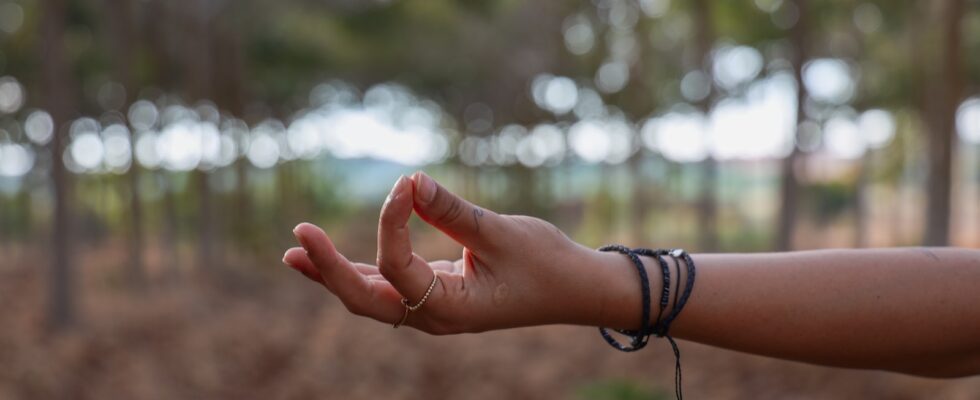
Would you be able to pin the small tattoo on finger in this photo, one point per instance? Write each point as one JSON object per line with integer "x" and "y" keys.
{"x": 477, "y": 214}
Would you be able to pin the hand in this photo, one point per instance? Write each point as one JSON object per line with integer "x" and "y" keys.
{"x": 514, "y": 271}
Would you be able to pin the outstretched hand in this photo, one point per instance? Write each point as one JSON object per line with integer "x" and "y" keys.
{"x": 514, "y": 270}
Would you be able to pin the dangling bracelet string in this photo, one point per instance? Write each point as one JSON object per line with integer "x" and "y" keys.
{"x": 663, "y": 327}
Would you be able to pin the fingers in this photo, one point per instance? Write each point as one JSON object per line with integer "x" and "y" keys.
{"x": 367, "y": 269}
{"x": 407, "y": 272}
{"x": 296, "y": 258}
{"x": 468, "y": 224}
{"x": 444, "y": 265}
{"x": 339, "y": 275}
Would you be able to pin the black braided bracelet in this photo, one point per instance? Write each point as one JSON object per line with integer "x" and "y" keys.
{"x": 661, "y": 328}
{"x": 664, "y": 293}
{"x": 688, "y": 288}
{"x": 639, "y": 339}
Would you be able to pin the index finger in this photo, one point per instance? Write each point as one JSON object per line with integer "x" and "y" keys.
{"x": 360, "y": 295}
{"x": 406, "y": 271}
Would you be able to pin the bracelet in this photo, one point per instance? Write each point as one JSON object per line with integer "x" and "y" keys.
{"x": 661, "y": 328}
{"x": 640, "y": 338}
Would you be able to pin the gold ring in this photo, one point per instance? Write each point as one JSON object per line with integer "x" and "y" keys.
{"x": 410, "y": 308}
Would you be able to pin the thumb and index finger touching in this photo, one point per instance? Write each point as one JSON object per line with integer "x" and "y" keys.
{"x": 407, "y": 272}
{"x": 461, "y": 220}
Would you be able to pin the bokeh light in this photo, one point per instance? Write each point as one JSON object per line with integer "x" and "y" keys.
{"x": 15, "y": 160}
{"x": 878, "y": 127}
{"x": 829, "y": 80}
{"x": 118, "y": 151}
{"x": 11, "y": 95}
{"x": 735, "y": 65}
{"x": 579, "y": 36}
{"x": 843, "y": 137}
{"x": 968, "y": 120}
{"x": 557, "y": 94}
{"x": 612, "y": 76}
{"x": 87, "y": 150}
{"x": 143, "y": 115}
{"x": 39, "y": 127}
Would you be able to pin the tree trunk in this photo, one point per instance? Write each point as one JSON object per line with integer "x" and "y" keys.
{"x": 170, "y": 225}
{"x": 59, "y": 100}
{"x": 789, "y": 186}
{"x": 230, "y": 95}
{"x": 860, "y": 202}
{"x": 119, "y": 20}
{"x": 198, "y": 64}
{"x": 708, "y": 202}
{"x": 940, "y": 109}
{"x": 639, "y": 200}
{"x": 865, "y": 165}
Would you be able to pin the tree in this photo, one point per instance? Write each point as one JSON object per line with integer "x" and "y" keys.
{"x": 59, "y": 100}
{"x": 118, "y": 18}
{"x": 789, "y": 185}
{"x": 939, "y": 108}
{"x": 708, "y": 202}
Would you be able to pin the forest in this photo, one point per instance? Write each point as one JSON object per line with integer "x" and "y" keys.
{"x": 155, "y": 154}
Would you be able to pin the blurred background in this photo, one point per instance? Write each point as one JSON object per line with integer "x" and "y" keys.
{"x": 155, "y": 154}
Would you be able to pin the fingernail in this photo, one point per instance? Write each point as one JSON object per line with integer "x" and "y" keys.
{"x": 426, "y": 187}
{"x": 396, "y": 190}
{"x": 300, "y": 238}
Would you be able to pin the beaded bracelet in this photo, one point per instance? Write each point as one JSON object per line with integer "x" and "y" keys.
{"x": 661, "y": 327}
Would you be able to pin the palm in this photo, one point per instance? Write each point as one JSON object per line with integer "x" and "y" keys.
{"x": 451, "y": 274}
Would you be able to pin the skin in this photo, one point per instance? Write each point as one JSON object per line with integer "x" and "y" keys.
{"x": 913, "y": 311}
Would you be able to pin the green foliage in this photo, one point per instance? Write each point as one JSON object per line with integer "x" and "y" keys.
{"x": 828, "y": 200}
{"x": 619, "y": 390}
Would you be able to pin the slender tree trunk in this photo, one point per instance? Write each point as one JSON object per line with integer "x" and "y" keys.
{"x": 860, "y": 203}
{"x": 237, "y": 98}
{"x": 205, "y": 241}
{"x": 198, "y": 63}
{"x": 230, "y": 95}
{"x": 941, "y": 111}
{"x": 137, "y": 275}
{"x": 118, "y": 18}
{"x": 639, "y": 199}
{"x": 170, "y": 226}
{"x": 708, "y": 202}
{"x": 865, "y": 164}
{"x": 6, "y": 227}
{"x": 59, "y": 100}
{"x": 789, "y": 186}
{"x": 163, "y": 24}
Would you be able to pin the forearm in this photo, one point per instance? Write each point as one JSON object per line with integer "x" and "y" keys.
{"x": 909, "y": 310}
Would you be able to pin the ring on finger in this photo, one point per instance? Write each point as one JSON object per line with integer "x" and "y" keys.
{"x": 409, "y": 308}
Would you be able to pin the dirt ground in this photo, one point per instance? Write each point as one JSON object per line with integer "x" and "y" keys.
{"x": 271, "y": 334}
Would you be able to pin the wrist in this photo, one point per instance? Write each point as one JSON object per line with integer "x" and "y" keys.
{"x": 620, "y": 296}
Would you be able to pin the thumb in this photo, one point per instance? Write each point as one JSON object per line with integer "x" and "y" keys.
{"x": 468, "y": 224}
